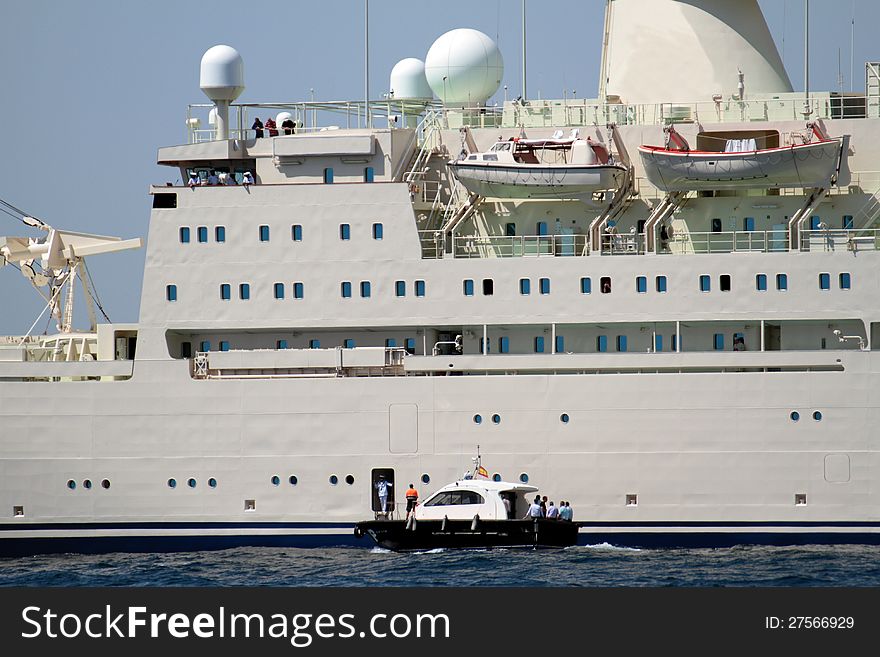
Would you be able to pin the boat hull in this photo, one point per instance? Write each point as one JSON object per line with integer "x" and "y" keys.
{"x": 806, "y": 165}
{"x": 536, "y": 181}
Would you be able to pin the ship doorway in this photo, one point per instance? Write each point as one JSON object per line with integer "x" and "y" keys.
{"x": 772, "y": 337}
{"x": 382, "y": 479}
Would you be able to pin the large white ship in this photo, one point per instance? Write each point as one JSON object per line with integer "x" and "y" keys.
{"x": 692, "y": 366}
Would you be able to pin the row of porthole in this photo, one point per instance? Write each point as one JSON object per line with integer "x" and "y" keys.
{"x": 795, "y": 416}
{"x": 87, "y": 484}
{"x": 192, "y": 483}
{"x": 496, "y": 419}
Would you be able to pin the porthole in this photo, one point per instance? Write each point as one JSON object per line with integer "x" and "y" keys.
{"x": 496, "y": 477}
{"x": 795, "y": 416}
{"x": 564, "y": 418}
{"x": 817, "y": 415}
{"x": 71, "y": 484}
{"x": 524, "y": 478}
{"x": 276, "y": 480}
{"x": 349, "y": 479}
{"x": 172, "y": 483}
{"x": 496, "y": 419}
{"x": 426, "y": 479}
{"x": 478, "y": 419}
{"x": 334, "y": 480}
{"x": 212, "y": 482}
{"x": 293, "y": 480}
{"x": 87, "y": 483}
{"x": 105, "y": 483}
{"x": 191, "y": 482}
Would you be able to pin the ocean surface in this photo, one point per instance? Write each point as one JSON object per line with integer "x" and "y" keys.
{"x": 588, "y": 566}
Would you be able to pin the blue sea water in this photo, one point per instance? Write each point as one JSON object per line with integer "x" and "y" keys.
{"x": 589, "y": 566}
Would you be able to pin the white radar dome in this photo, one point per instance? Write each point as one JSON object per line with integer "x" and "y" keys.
{"x": 464, "y": 67}
{"x": 221, "y": 75}
{"x": 408, "y": 80}
{"x": 281, "y": 117}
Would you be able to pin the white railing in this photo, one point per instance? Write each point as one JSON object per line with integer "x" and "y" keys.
{"x": 865, "y": 239}
{"x": 514, "y": 246}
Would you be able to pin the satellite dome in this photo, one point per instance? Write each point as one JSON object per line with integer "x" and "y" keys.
{"x": 471, "y": 64}
{"x": 408, "y": 80}
{"x": 221, "y": 75}
{"x": 281, "y": 117}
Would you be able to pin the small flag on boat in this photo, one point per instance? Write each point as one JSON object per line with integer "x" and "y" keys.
{"x": 483, "y": 472}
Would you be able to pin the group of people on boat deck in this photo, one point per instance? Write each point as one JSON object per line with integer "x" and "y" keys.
{"x": 287, "y": 125}
{"x": 540, "y": 508}
{"x": 219, "y": 179}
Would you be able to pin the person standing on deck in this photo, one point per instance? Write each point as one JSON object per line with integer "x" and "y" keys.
{"x": 382, "y": 487}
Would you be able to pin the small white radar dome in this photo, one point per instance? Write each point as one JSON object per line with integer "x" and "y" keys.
{"x": 464, "y": 67}
{"x": 408, "y": 80}
{"x": 221, "y": 75}
{"x": 281, "y": 117}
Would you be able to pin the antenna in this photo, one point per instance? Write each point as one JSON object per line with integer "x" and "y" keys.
{"x": 852, "y": 41}
{"x": 524, "y": 96}
{"x": 368, "y": 120}
{"x": 806, "y": 110}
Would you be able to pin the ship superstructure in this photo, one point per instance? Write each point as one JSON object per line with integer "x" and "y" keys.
{"x": 688, "y": 366}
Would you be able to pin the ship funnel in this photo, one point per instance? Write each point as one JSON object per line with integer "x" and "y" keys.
{"x": 687, "y": 51}
{"x": 221, "y": 78}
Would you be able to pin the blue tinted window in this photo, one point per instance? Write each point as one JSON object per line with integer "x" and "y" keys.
{"x": 348, "y": 343}
{"x": 539, "y": 344}
{"x": 749, "y": 224}
{"x": 705, "y": 283}
{"x": 761, "y": 282}
{"x": 279, "y": 290}
{"x": 420, "y": 288}
{"x": 225, "y": 291}
{"x": 377, "y": 231}
{"x": 602, "y": 343}
{"x": 845, "y": 281}
{"x": 369, "y": 174}
{"x": 346, "y": 289}
{"x": 485, "y": 347}
{"x": 314, "y": 344}
{"x": 658, "y": 343}
{"x": 390, "y": 343}
{"x": 365, "y": 289}
{"x": 297, "y": 290}
{"x": 641, "y": 284}
{"x": 560, "y": 344}
{"x": 220, "y": 234}
{"x": 468, "y": 287}
{"x": 205, "y": 346}
{"x": 400, "y": 288}
{"x": 621, "y": 343}
{"x": 504, "y": 345}
{"x": 542, "y": 228}
{"x": 202, "y": 234}
{"x": 244, "y": 291}
{"x": 171, "y": 292}
{"x": 328, "y": 175}
{"x": 847, "y": 222}
{"x": 545, "y": 285}
{"x": 781, "y": 281}
{"x": 264, "y": 233}
{"x": 410, "y": 345}
{"x": 824, "y": 281}
{"x": 344, "y": 231}
{"x": 586, "y": 285}
{"x": 675, "y": 345}
{"x": 224, "y": 345}
{"x": 525, "y": 286}
{"x": 661, "y": 283}
{"x": 281, "y": 344}
{"x": 184, "y": 234}
{"x": 296, "y": 232}
{"x": 815, "y": 220}
{"x": 718, "y": 342}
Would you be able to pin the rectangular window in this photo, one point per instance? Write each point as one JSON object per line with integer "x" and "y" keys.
{"x": 749, "y": 224}
{"x": 824, "y": 281}
{"x": 204, "y": 346}
{"x": 390, "y": 343}
{"x": 661, "y": 283}
{"x": 716, "y": 225}
{"x": 845, "y": 281}
{"x": 328, "y": 175}
{"x": 365, "y": 289}
{"x": 220, "y": 234}
{"x": 545, "y": 285}
{"x": 184, "y": 234}
{"x": 510, "y": 229}
{"x": 488, "y": 287}
{"x": 621, "y": 343}
{"x": 346, "y": 289}
{"x": 675, "y": 345}
{"x": 344, "y": 231}
{"x": 348, "y": 343}
{"x": 298, "y": 290}
{"x": 605, "y": 284}
{"x": 781, "y": 281}
{"x": 314, "y": 344}
{"x": 601, "y": 343}
{"x": 541, "y": 228}
{"x": 641, "y": 284}
{"x": 539, "y": 344}
{"x": 264, "y": 233}
{"x": 504, "y": 345}
{"x": 281, "y": 344}
{"x": 202, "y": 234}
{"x": 410, "y": 345}
{"x": 658, "y": 343}
{"x": 244, "y": 291}
{"x": 420, "y": 288}
{"x": 171, "y": 292}
{"x": 560, "y": 344}
{"x": 724, "y": 282}
{"x": 225, "y": 291}
{"x": 847, "y": 222}
{"x": 400, "y": 288}
{"x": 377, "y": 231}
{"x": 369, "y": 174}
{"x": 718, "y": 342}
{"x": 815, "y": 221}
{"x": 484, "y": 346}
{"x": 705, "y": 283}
{"x": 586, "y": 285}
{"x": 296, "y": 232}
{"x": 279, "y": 290}
{"x": 224, "y": 345}
{"x": 186, "y": 350}
{"x": 761, "y": 282}
{"x": 467, "y": 287}
{"x": 525, "y": 286}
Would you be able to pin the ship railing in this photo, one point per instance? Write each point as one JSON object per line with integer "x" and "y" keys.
{"x": 515, "y": 246}
{"x": 622, "y": 244}
{"x": 858, "y": 239}
{"x": 727, "y": 242}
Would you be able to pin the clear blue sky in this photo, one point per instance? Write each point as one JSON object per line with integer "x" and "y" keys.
{"x": 92, "y": 89}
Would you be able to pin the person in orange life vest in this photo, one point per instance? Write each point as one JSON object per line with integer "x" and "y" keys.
{"x": 412, "y": 497}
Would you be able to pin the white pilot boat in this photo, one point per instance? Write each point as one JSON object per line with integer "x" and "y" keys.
{"x": 540, "y": 169}
{"x": 674, "y": 167}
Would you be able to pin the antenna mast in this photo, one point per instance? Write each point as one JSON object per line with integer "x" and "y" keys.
{"x": 524, "y": 95}
{"x": 368, "y": 120}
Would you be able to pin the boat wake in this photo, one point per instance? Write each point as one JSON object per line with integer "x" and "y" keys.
{"x": 604, "y": 546}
